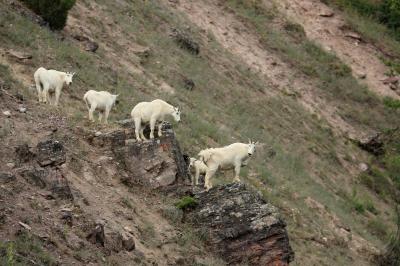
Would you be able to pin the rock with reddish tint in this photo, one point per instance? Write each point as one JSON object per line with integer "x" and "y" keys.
{"x": 241, "y": 226}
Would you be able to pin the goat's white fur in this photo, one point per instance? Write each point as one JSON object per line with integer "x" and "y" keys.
{"x": 234, "y": 155}
{"x": 152, "y": 112}
{"x": 49, "y": 82}
{"x": 200, "y": 168}
{"x": 100, "y": 100}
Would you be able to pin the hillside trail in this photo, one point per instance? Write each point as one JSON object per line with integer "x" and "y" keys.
{"x": 327, "y": 27}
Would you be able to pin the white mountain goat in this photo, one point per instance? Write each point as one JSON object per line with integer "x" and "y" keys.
{"x": 152, "y": 112}
{"x": 231, "y": 156}
{"x": 200, "y": 168}
{"x": 100, "y": 100}
{"x": 51, "y": 82}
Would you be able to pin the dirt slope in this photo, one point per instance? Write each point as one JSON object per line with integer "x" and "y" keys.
{"x": 328, "y": 28}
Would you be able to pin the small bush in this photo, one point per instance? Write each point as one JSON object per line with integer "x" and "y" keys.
{"x": 377, "y": 228}
{"x": 391, "y": 257}
{"x": 23, "y": 250}
{"x": 186, "y": 202}
{"x": 55, "y": 12}
{"x": 391, "y": 103}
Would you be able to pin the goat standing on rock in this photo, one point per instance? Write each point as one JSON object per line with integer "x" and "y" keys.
{"x": 51, "y": 82}
{"x": 152, "y": 112}
{"x": 101, "y": 100}
{"x": 234, "y": 155}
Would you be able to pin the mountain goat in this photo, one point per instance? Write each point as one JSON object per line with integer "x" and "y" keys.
{"x": 49, "y": 82}
{"x": 100, "y": 100}
{"x": 231, "y": 156}
{"x": 152, "y": 112}
{"x": 199, "y": 167}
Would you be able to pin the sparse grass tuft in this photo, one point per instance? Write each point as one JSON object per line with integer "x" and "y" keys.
{"x": 127, "y": 202}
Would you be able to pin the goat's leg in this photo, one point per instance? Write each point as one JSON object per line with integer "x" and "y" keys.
{"x": 39, "y": 90}
{"x": 106, "y": 114}
{"x": 160, "y": 129}
{"x": 237, "y": 171}
{"x": 142, "y": 134}
{"x": 153, "y": 121}
{"x": 57, "y": 95}
{"x": 137, "y": 128}
{"x": 91, "y": 110}
{"x": 196, "y": 177}
{"x": 45, "y": 93}
{"x": 207, "y": 180}
{"x": 100, "y": 116}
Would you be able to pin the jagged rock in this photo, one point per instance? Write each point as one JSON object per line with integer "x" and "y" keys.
{"x": 53, "y": 179}
{"x": 188, "y": 84}
{"x": 36, "y": 176}
{"x": 113, "y": 139}
{"x": 372, "y": 144}
{"x": 157, "y": 163}
{"x": 19, "y": 55}
{"x": 50, "y": 152}
{"x": 96, "y": 236}
{"x": 327, "y": 14}
{"x": 391, "y": 80}
{"x": 185, "y": 41}
{"x": 74, "y": 242}
{"x": 114, "y": 241}
{"x": 128, "y": 242}
{"x": 241, "y": 226}
{"x": 89, "y": 45}
{"x": 7, "y": 177}
{"x": 24, "y": 153}
{"x": 7, "y": 113}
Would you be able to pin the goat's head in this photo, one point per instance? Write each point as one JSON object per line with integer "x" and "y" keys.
{"x": 251, "y": 147}
{"x": 177, "y": 114}
{"x": 116, "y": 101}
{"x": 68, "y": 78}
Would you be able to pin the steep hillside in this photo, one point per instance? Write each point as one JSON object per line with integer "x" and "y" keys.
{"x": 289, "y": 74}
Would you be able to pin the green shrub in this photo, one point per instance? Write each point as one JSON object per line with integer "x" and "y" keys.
{"x": 55, "y": 12}
{"x": 386, "y": 12}
{"x": 391, "y": 103}
{"x": 186, "y": 202}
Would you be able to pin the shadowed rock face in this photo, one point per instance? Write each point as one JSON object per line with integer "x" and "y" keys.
{"x": 241, "y": 226}
{"x": 155, "y": 163}
{"x": 44, "y": 171}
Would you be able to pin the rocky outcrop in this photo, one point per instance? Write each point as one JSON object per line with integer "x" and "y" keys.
{"x": 241, "y": 226}
{"x": 41, "y": 167}
{"x": 155, "y": 163}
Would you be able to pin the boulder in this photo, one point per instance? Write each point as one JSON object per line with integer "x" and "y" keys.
{"x": 242, "y": 227}
{"x": 6, "y": 177}
{"x": 97, "y": 236}
{"x": 155, "y": 163}
{"x": 185, "y": 41}
{"x": 24, "y": 153}
{"x": 50, "y": 152}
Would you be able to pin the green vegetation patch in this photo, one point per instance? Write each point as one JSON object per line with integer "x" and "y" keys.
{"x": 55, "y": 12}
{"x": 186, "y": 202}
{"x": 24, "y": 250}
